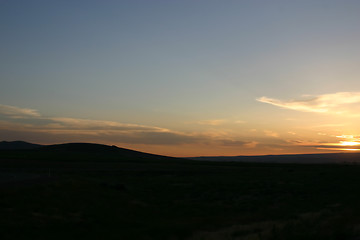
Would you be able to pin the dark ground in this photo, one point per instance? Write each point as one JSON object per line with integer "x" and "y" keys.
{"x": 89, "y": 196}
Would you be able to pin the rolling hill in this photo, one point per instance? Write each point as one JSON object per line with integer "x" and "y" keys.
{"x": 18, "y": 145}
{"x": 95, "y": 149}
{"x": 72, "y": 151}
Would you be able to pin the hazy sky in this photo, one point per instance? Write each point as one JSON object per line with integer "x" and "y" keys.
{"x": 182, "y": 78}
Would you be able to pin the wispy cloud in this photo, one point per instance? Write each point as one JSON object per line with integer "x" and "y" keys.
{"x": 33, "y": 126}
{"x": 239, "y": 122}
{"x": 218, "y": 122}
{"x": 232, "y": 143}
{"x": 213, "y": 122}
{"x": 16, "y": 112}
{"x": 326, "y": 103}
{"x": 89, "y": 124}
{"x": 271, "y": 133}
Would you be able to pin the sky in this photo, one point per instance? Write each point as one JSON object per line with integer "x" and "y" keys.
{"x": 182, "y": 78}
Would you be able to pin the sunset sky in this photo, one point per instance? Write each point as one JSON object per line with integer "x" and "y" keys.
{"x": 182, "y": 78}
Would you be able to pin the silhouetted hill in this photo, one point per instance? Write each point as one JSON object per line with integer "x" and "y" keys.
{"x": 91, "y": 151}
{"x": 73, "y": 152}
{"x": 93, "y": 148}
{"x": 82, "y": 147}
{"x": 291, "y": 158}
{"x": 18, "y": 145}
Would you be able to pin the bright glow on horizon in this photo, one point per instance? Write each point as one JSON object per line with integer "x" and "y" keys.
{"x": 340, "y": 149}
{"x": 350, "y": 149}
{"x": 348, "y": 143}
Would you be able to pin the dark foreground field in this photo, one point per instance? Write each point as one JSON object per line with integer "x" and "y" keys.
{"x": 80, "y": 196}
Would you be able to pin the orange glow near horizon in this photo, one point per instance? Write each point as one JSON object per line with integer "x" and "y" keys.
{"x": 340, "y": 149}
{"x": 350, "y": 143}
{"x": 346, "y": 143}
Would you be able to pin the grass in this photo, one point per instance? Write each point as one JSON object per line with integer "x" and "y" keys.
{"x": 174, "y": 199}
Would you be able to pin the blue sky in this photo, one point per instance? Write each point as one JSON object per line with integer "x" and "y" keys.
{"x": 210, "y": 72}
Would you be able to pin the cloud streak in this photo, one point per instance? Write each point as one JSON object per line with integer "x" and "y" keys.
{"x": 271, "y": 133}
{"x": 34, "y": 127}
{"x": 326, "y": 103}
{"x": 213, "y": 122}
{"x": 16, "y": 112}
{"x": 31, "y": 123}
{"x": 88, "y": 124}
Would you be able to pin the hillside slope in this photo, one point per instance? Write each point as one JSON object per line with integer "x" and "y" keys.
{"x": 18, "y": 145}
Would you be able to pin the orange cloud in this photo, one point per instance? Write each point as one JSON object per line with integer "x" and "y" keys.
{"x": 214, "y": 122}
{"x": 271, "y": 133}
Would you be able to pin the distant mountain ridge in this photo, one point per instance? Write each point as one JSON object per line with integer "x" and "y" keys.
{"x": 18, "y": 145}
{"x": 94, "y": 148}
{"x": 77, "y": 150}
